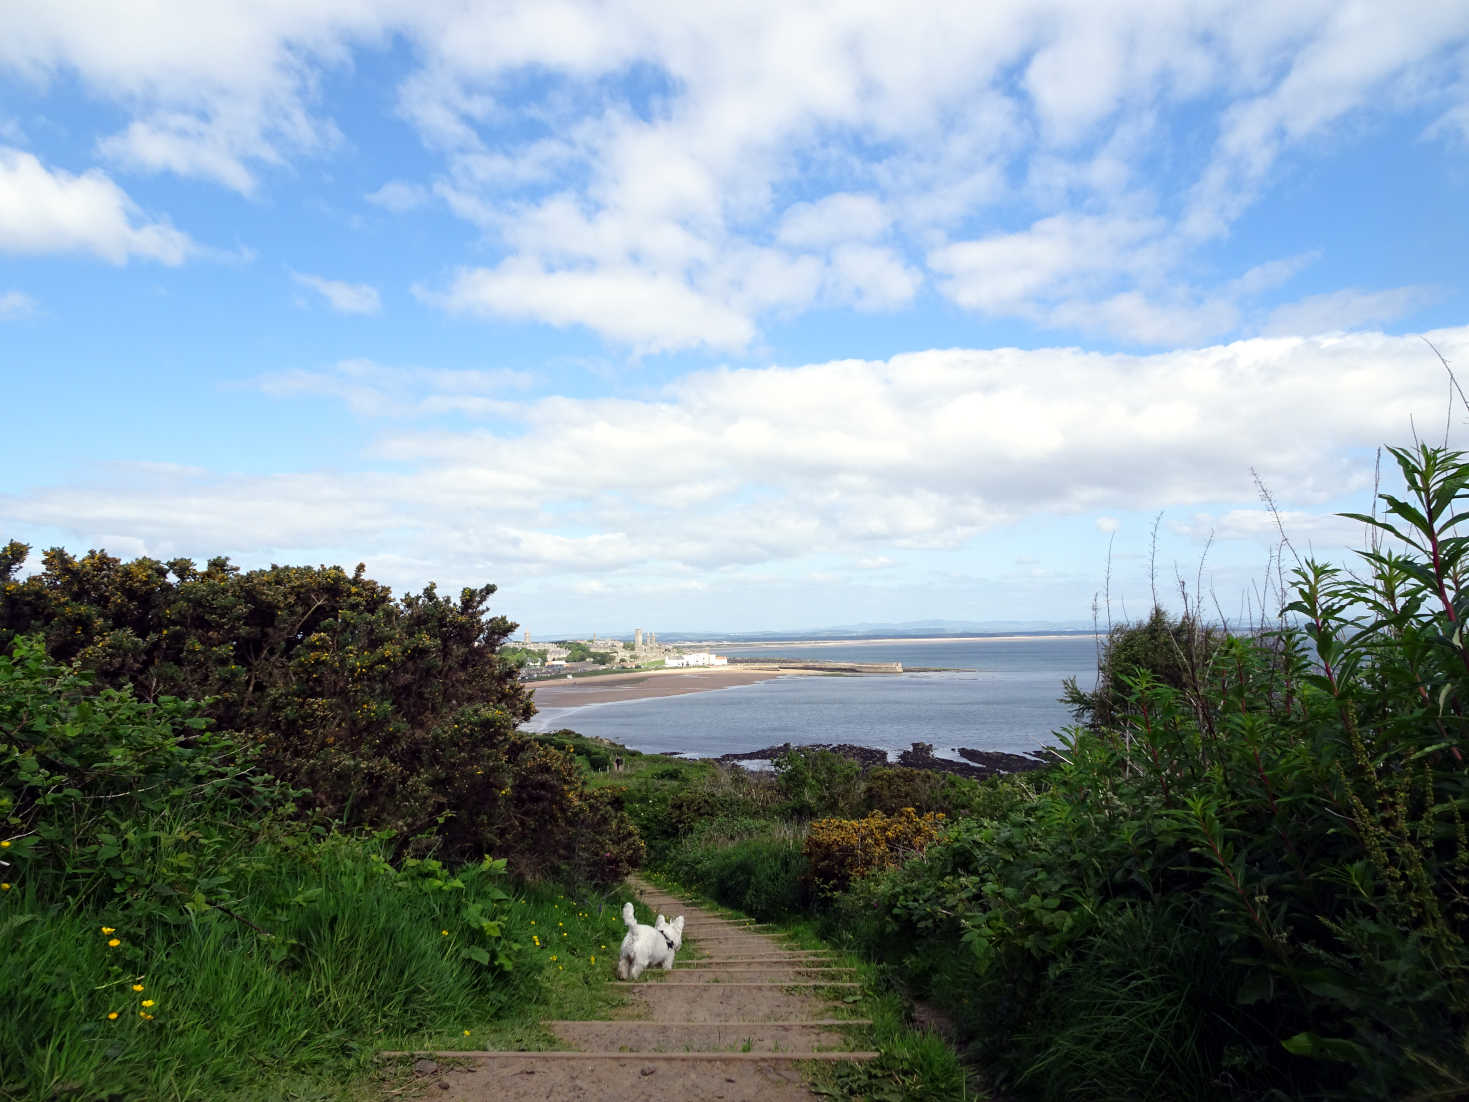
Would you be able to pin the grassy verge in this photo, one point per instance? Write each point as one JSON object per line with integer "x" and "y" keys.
{"x": 329, "y": 956}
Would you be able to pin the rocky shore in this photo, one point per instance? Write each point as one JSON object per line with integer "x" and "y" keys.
{"x": 977, "y": 763}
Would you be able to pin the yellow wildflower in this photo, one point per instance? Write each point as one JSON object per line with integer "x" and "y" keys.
{"x": 444, "y": 932}
{"x": 107, "y": 929}
{"x": 112, "y": 1016}
{"x": 137, "y": 987}
{"x": 147, "y": 1002}
{"x": 145, "y": 1015}
{"x": 113, "y": 943}
{"x": 4, "y": 887}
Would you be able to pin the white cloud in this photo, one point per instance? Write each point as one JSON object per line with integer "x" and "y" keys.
{"x": 1055, "y": 258}
{"x": 345, "y": 298}
{"x": 650, "y": 311}
{"x": 1108, "y": 524}
{"x": 182, "y": 144}
{"x": 679, "y": 136}
{"x": 399, "y": 196}
{"x": 45, "y": 211}
{"x": 764, "y": 468}
{"x": 377, "y": 390}
{"x": 1342, "y": 58}
{"x": 872, "y": 278}
{"x": 16, "y": 304}
{"x": 1347, "y": 309}
{"x": 832, "y": 220}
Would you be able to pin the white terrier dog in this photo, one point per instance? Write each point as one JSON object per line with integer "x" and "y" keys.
{"x": 647, "y": 946}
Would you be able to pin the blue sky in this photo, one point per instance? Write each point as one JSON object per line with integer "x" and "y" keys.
{"x": 727, "y": 316}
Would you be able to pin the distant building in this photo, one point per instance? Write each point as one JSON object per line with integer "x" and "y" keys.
{"x": 698, "y": 658}
{"x": 527, "y": 636}
{"x": 637, "y": 638}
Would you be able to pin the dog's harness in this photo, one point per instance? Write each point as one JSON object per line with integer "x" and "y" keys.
{"x": 667, "y": 939}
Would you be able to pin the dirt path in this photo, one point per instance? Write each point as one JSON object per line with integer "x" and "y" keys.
{"x": 732, "y": 1021}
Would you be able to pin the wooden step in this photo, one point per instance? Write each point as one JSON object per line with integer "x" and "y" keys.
{"x": 721, "y": 983}
{"x": 768, "y": 1037}
{"x": 761, "y": 972}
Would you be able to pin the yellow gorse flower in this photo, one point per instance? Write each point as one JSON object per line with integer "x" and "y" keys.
{"x": 113, "y": 943}
{"x": 137, "y": 987}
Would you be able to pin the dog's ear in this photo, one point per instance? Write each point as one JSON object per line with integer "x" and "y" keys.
{"x": 678, "y": 924}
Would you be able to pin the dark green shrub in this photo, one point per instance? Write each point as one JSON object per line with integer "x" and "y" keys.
{"x": 393, "y": 715}
{"x": 1176, "y": 653}
{"x": 106, "y": 797}
{"x": 818, "y": 783}
{"x": 751, "y": 865}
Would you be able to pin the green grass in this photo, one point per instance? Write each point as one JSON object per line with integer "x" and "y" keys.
{"x": 333, "y": 957}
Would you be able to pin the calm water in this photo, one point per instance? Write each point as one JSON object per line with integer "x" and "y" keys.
{"x": 1004, "y": 698}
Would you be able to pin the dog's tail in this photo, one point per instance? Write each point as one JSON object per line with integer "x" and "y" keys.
{"x": 629, "y": 919}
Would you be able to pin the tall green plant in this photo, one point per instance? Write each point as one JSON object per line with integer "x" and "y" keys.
{"x": 1262, "y": 850}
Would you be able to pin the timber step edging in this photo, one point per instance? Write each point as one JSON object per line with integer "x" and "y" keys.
{"x": 707, "y": 985}
{"x": 823, "y": 1023}
{"x": 559, "y": 1054}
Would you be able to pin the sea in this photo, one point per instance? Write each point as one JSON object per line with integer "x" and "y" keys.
{"x": 985, "y": 694}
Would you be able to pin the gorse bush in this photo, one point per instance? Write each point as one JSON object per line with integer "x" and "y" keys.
{"x": 176, "y": 926}
{"x": 843, "y": 850}
{"x": 388, "y": 714}
{"x": 1252, "y": 879}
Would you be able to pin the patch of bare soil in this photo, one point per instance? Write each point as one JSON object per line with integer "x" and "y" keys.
{"x": 733, "y": 1021}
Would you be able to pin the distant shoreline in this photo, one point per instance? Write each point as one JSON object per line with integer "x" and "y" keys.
{"x": 645, "y": 685}
{"x": 890, "y": 640}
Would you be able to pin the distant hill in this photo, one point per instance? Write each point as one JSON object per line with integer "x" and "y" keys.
{"x": 915, "y": 629}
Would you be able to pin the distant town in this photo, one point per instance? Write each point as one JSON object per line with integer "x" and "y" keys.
{"x": 562, "y": 657}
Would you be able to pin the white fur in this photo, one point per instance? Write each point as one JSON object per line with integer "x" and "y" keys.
{"x": 647, "y": 946}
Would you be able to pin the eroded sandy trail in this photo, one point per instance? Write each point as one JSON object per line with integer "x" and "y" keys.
{"x": 732, "y": 1022}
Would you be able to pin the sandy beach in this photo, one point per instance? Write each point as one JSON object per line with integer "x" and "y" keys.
{"x": 644, "y": 685}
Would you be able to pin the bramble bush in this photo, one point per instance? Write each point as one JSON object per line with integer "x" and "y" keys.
{"x": 106, "y": 798}
{"x": 1251, "y": 877}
